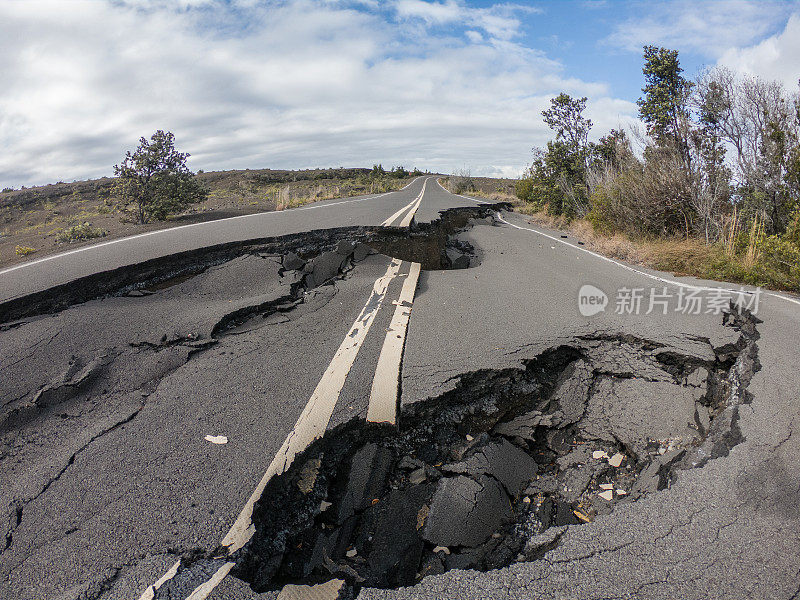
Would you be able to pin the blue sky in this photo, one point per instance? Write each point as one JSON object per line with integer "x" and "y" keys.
{"x": 438, "y": 84}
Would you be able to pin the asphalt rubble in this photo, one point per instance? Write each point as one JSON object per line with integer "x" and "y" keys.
{"x": 495, "y": 470}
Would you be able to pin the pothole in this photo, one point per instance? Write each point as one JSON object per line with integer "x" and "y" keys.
{"x": 486, "y": 474}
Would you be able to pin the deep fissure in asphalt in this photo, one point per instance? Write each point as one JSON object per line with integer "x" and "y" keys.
{"x": 490, "y": 473}
{"x": 430, "y": 244}
{"x": 309, "y": 264}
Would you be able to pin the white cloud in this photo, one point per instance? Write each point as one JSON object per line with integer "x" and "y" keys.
{"x": 777, "y": 57}
{"x": 498, "y": 21}
{"x": 708, "y": 27}
{"x": 251, "y": 84}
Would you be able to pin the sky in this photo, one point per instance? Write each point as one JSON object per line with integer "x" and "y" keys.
{"x": 437, "y": 84}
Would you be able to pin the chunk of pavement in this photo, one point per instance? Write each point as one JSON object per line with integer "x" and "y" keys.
{"x": 702, "y": 418}
{"x": 433, "y": 566}
{"x": 345, "y": 247}
{"x": 572, "y": 391}
{"x": 369, "y": 472}
{"x": 654, "y": 477}
{"x": 471, "y": 558}
{"x": 524, "y": 426}
{"x": 575, "y": 480}
{"x": 502, "y": 460}
{"x": 361, "y": 252}
{"x": 408, "y": 463}
{"x": 458, "y": 260}
{"x": 389, "y": 530}
{"x": 696, "y": 378}
{"x": 634, "y": 411}
{"x": 417, "y": 476}
{"x": 292, "y": 262}
{"x": 536, "y": 544}
{"x": 330, "y": 590}
{"x": 322, "y": 268}
{"x": 466, "y": 512}
{"x": 607, "y": 495}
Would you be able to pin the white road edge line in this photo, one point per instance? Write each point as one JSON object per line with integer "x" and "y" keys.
{"x": 309, "y": 426}
{"x": 383, "y": 397}
{"x": 656, "y": 277}
{"x": 624, "y": 266}
{"x": 149, "y": 233}
{"x": 459, "y": 195}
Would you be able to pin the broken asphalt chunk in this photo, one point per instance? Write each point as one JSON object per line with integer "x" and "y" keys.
{"x": 502, "y": 460}
{"x": 292, "y": 262}
{"x": 465, "y": 511}
{"x": 369, "y": 472}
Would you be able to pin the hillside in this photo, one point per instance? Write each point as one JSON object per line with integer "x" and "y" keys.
{"x": 52, "y": 218}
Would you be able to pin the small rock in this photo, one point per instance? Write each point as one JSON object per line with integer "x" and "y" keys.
{"x": 308, "y": 475}
{"x": 216, "y": 439}
{"x": 469, "y": 438}
{"x": 607, "y": 486}
{"x": 607, "y": 495}
{"x": 621, "y": 492}
{"x": 351, "y": 553}
{"x": 292, "y": 262}
{"x": 324, "y": 505}
{"x": 418, "y": 476}
{"x": 444, "y": 549}
{"x": 616, "y": 460}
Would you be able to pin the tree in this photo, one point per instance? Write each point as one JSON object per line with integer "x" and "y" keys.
{"x": 557, "y": 177}
{"x": 156, "y": 180}
{"x": 664, "y": 105}
{"x": 611, "y": 151}
{"x": 565, "y": 118}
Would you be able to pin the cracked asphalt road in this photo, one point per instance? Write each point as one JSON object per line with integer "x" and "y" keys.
{"x": 110, "y": 478}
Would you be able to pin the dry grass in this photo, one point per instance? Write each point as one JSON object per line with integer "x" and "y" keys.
{"x": 683, "y": 257}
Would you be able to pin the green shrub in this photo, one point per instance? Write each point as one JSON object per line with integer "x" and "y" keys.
{"x": 78, "y": 233}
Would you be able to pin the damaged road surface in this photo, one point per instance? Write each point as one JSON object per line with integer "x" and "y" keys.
{"x": 197, "y": 425}
{"x": 102, "y": 398}
{"x": 490, "y": 473}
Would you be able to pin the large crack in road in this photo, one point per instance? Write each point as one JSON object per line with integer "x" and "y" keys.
{"x": 493, "y": 471}
{"x": 63, "y": 380}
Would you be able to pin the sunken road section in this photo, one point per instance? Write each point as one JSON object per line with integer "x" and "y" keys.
{"x": 492, "y": 472}
{"x": 425, "y": 243}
